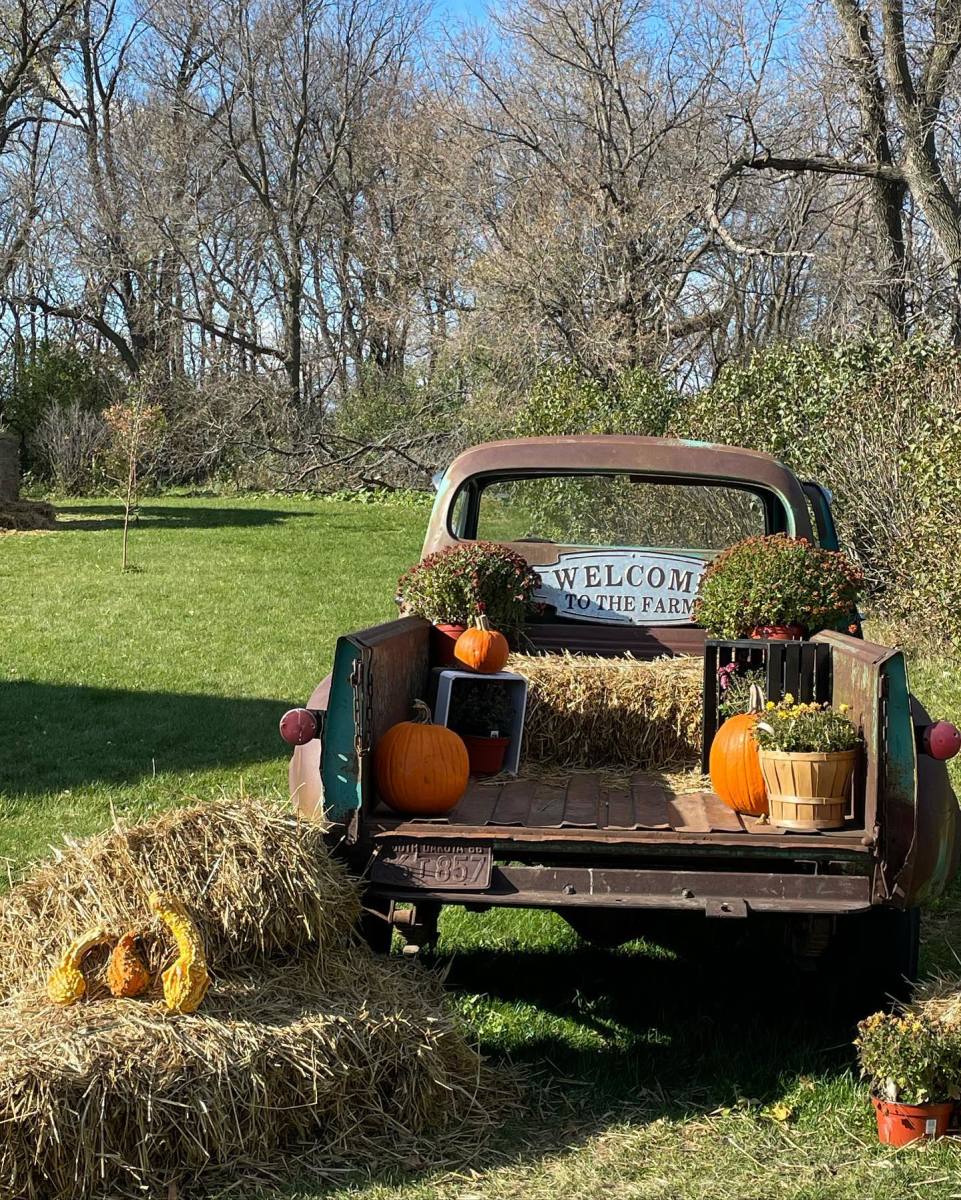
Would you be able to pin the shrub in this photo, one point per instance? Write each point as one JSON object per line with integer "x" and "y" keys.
{"x": 878, "y": 422}
{"x": 562, "y": 401}
{"x": 776, "y": 580}
{"x": 909, "y": 1059}
{"x": 70, "y": 441}
{"x": 787, "y": 400}
{"x": 59, "y": 376}
{"x": 456, "y": 584}
{"x": 399, "y": 428}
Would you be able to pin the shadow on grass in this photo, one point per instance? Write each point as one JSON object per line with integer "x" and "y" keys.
{"x": 604, "y": 1038}
{"x": 57, "y": 737}
{"x": 698, "y": 1030}
{"x": 165, "y": 516}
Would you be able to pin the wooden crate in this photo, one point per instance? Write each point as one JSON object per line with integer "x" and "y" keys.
{"x": 802, "y": 669}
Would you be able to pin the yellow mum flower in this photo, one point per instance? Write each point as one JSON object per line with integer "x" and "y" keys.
{"x": 783, "y": 716}
{"x": 770, "y": 705}
{"x": 788, "y": 698}
{"x": 843, "y": 708}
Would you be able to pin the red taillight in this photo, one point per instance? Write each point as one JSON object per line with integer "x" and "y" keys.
{"x": 940, "y": 740}
{"x": 298, "y": 726}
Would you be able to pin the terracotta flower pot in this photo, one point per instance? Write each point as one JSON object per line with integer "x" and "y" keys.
{"x": 777, "y": 633}
{"x": 443, "y": 638}
{"x": 899, "y": 1124}
{"x": 485, "y": 754}
{"x": 808, "y": 791}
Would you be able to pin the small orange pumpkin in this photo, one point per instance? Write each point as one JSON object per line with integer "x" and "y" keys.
{"x": 735, "y": 770}
{"x": 482, "y": 648}
{"x": 421, "y": 768}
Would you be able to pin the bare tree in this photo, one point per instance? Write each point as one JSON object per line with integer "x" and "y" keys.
{"x": 289, "y": 81}
{"x": 594, "y": 120}
{"x": 895, "y": 136}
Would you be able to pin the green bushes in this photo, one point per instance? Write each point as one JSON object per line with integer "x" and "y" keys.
{"x": 58, "y": 376}
{"x": 563, "y": 401}
{"x": 54, "y": 402}
{"x": 879, "y": 423}
{"x": 776, "y": 580}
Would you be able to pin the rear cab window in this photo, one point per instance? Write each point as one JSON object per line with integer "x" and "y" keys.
{"x": 615, "y": 547}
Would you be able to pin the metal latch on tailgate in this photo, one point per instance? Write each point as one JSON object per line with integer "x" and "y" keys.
{"x": 362, "y": 690}
{"x": 714, "y": 907}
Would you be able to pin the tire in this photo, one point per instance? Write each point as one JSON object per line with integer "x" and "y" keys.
{"x": 375, "y": 925}
{"x": 872, "y": 962}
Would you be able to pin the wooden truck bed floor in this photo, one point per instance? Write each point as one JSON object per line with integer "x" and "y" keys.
{"x": 584, "y": 807}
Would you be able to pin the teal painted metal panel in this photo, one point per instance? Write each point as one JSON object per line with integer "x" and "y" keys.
{"x": 900, "y": 766}
{"x": 339, "y": 766}
{"x": 921, "y": 817}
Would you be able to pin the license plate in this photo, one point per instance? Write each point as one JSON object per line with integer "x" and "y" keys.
{"x": 434, "y": 867}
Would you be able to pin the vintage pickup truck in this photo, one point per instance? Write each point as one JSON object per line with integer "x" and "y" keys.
{"x": 620, "y": 530}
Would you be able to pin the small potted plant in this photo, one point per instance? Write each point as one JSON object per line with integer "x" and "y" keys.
{"x": 807, "y": 754}
{"x": 777, "y": 587}
{"x": 735, "y": 681}
{"x": 914, "y": 1068}
{"x": 451, "y": 587}
{"x": 482, "y": 712}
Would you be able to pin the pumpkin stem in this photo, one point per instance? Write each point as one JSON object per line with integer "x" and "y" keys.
{"x": 481, "y": 622}
{"x": 422, "y": 713}
{"x": 756, "y": 699}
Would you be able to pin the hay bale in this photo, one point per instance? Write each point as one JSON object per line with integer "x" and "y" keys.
{"x": 119, "y": 1098}
{"x": 585, "y": 711}
{"x": 258, "y": 881}
{"x": 27, "y": 515}
{"x": 939, "y": 999}
{"x": 321, "y": 1057}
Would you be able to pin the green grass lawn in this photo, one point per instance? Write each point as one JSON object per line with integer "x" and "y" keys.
{"x": 651, "y": 1075}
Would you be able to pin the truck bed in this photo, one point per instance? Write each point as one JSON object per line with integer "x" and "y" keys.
{"x": 584, "y": 807}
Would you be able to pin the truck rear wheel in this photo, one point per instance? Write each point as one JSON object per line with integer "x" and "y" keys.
{"x": 376, "y": 924}
{"x": 872, "y": 962}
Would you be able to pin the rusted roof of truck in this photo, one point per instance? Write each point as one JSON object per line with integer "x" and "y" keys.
{"x": 588, "y": 453}
{"x": 661, "y": 456}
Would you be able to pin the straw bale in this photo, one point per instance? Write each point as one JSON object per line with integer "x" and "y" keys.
{"x": 257, "y": 879}
{"x": 939, "y": 999}
{"x": 308, "y": 1055}
{"x": 586, "y": 711}
{"x": 27, "y": 515}
{"x": 684, "y": 779}
{"x": 347, "y": 1064}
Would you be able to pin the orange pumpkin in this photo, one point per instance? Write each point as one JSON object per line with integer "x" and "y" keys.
{"x": 421, "y": 768}
{"x": 735, "y": 770}
{"x": 482, "y": 648}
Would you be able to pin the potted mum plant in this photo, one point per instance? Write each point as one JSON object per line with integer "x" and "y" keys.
{"x": 777, "y": 587}
{"x": 807, "y": 754}
{"x": 482, "y": 713}
{"x": 453, "y": 586}
{"x": 914, "y": 1068}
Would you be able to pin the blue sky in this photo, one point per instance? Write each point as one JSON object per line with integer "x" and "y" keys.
{"x": 461, "y": 8}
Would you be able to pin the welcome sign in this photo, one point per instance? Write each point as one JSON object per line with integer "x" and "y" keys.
{"x": 623, "y": 587}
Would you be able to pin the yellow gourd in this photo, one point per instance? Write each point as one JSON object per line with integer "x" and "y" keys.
{"x": 127, "y": 973}
{"x": 66, "y": 984}
{"x": 185, "y": 983}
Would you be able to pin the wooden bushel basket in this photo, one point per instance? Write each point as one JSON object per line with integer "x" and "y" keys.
{"x": 808, "y": 791}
